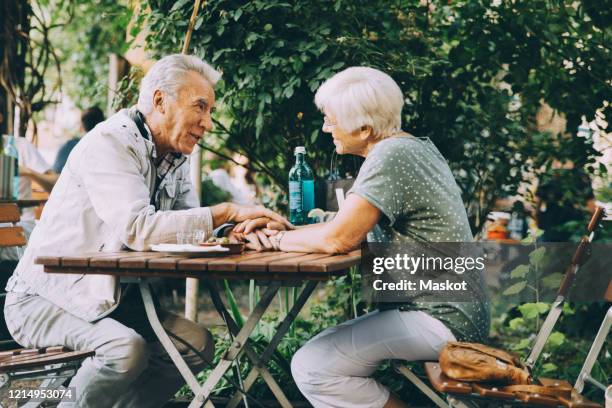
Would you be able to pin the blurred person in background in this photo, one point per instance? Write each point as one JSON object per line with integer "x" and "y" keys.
{"x": 32, "y": 167}
{"x": 564, "y": 194}
{"x": 90, "y": 117}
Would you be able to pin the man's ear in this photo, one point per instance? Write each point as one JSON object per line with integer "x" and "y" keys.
{"x": 158, "y": 101}
{"x": 365, "y": 132}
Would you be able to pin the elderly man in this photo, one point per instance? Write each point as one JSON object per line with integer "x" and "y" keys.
{"x": 126, "y": 184}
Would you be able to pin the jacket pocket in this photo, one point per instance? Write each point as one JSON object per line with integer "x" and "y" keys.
{"x": 168, "y": 196}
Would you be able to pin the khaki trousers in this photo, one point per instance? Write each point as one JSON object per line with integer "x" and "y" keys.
{"x": 130, "y": 367}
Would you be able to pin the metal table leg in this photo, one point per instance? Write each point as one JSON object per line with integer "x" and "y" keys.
{"x": 163, "y": 337}
{"x": 248, "y": 349}
{"x": 281, "y": 330}
{"x": 240, "y": 341}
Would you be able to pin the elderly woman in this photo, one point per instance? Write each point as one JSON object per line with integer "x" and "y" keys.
{"x": 404, "y": 192}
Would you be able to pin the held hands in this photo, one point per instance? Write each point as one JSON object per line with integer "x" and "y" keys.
{"x": 257, "y": 233}
{"x": 255, "y": 223}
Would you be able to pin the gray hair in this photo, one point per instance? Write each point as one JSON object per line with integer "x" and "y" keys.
{"x": 362, "y": 96}
{"x": 167, "y": 75}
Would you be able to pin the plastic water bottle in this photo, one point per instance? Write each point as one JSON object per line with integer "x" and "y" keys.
{"x": 301, "y": 189}
{"x": 517, "y": 225}
{"x": 11, "y": 150}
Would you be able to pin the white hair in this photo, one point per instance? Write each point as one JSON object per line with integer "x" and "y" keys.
{"x": 362, "y": 96}
{"x": 167, "y": 75}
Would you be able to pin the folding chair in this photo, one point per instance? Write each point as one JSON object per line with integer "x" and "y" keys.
{"x": 448, "y": 393}
{"x": 53, "y": 365}
{"x": 600, "y": 338}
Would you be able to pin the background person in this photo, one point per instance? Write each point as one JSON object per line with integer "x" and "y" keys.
{"x": 32, "y": 167}
{"x": 90, "y": 117}
{"x": 564, "y": 194}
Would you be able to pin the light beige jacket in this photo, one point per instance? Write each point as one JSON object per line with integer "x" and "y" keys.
{"x": 101, "y": 203}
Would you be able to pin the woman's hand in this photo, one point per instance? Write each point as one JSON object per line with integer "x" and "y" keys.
{"x": 258, "y": 231}
{"x": 256, "y": 240}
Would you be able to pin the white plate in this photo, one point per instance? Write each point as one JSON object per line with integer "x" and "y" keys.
{"x": 188, "y": 249}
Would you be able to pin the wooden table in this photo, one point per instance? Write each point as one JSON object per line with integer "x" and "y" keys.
{"x": 272, "y": 269}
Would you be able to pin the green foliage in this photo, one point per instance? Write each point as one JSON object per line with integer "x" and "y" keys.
{"x": 211, "y": 194}
{"x": 567, "y": 346}
{"x": 473, "y": 74}
{"x": 528, "y": 273}
{"x": 126, "y": 94}
{"x": 233, "y": 304}
{"x": 533, "y": 310}
{"x": 515, "y": 288}
{"x": 30, "y": 70}
{"x": 96, "y": 29}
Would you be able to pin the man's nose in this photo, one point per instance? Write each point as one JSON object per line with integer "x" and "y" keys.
{"x": 207, "y": 123}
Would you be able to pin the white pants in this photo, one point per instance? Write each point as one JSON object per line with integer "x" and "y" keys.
{"x": 333, "y": 368}
{"x": 128, "y": 370}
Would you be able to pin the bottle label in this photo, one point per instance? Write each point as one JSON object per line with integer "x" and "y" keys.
{"x": 295, "y": 195}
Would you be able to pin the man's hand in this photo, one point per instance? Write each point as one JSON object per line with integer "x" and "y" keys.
{"x": 242, "y": 213}
{"x": 264, "y": 223}
{"x": 227, "y": 212}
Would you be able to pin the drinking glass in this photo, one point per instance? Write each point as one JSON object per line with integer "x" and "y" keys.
{"x": 189, "y": 237}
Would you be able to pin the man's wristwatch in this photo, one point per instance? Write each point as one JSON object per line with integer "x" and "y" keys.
{"x": 275, "y": 240}
{"x": 223, "y": 230}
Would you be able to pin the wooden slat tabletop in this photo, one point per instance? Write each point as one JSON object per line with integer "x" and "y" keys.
{"x": 248, "y": 265}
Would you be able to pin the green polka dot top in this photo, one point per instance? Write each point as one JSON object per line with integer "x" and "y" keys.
{"x": 409, "y": 181}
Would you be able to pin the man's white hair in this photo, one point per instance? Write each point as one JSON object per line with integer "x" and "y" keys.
{"x": 168, "y": 74}
{"x": 362, "y": 96}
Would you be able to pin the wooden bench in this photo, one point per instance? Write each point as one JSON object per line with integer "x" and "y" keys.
{"x": 54, "y": 365}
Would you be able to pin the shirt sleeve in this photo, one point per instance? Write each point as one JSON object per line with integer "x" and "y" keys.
{"x": 390, "y": 177}
{"x": 119, "y": 193}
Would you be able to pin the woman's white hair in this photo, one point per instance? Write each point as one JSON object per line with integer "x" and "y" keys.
{"x": 168, "y": 74}
{"x": 362, "y": 96}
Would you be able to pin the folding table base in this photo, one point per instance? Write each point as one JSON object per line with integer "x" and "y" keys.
{"x": 259, "y": 364}
{"x": 241, "y": 336}
{"x": 202, "y": 393}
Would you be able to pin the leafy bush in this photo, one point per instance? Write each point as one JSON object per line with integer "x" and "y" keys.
{"x": 474, "y": 74}
{"x": 95, "y": 29}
